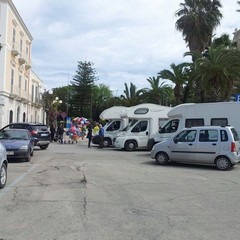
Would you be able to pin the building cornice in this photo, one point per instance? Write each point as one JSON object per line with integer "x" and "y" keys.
{"x": 15, "y": 11}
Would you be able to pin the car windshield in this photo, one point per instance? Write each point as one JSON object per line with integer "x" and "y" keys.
{"x": 22, "y": 135}
{"x": 40, "y": 128}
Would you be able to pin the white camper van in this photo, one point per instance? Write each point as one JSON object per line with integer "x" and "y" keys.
{"x": 198, "y": 114}
{"x": 146, "y": 120}
{"x": 114, "y": 125}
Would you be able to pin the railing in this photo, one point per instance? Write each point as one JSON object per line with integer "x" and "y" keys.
{"x": 17, "y": 92}
{"x": 15, "y": 49}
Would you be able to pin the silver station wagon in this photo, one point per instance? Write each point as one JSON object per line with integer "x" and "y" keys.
{"x": 212, "y": 145}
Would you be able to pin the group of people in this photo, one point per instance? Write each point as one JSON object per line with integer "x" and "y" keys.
{"x": 97, "y": 129}
{"x": 57, "y": 132}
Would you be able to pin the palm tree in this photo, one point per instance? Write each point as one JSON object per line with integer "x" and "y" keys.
{"x": 178, "y": 77}
{"x": 225, "y": 41}
{"x": 159, "y": 93}
{"x": 197, "y": 20}
{"x": 131, "y": 96}
{"x": 217, "y": 72}
{"x": 101, "y": 99}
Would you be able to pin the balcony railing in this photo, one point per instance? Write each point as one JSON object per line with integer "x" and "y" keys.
{"x": 19, "y": 94}
{"x": 15, "y": 49}
{"x": 22, "y": 58}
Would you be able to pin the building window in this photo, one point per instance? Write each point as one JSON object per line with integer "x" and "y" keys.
{"x": 21, "y": 46}
{"x": 12, "y": 80}
{"x": 36, "y": 93}
{"x": 32, "y": 93}
{"x": 14, "y": 38}
{"x": 18, "y": 114}
{"x": 19, "y": 85}
{"x": 27, "y": 51}
{"x": 25, "y": 87}
{"x": 24, "y": 117}
{"x": 10, "y": 116}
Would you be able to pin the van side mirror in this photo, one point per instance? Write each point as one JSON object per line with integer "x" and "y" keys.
{"x": 175, "y": 140}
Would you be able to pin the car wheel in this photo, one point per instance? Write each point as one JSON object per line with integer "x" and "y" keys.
{"x": 27, "y": 159}
{"x": 162, "y": 158}
{"x": 3, "y": 176}
{"x": 44, "y": 146}
{"x": 106, "y": 142}
{"x": 223, "y": 163}
{"x": 130, "y": 145}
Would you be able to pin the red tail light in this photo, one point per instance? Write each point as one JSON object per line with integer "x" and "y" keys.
{"x": 233, "y": 147}
{"x": 33, "y": 132}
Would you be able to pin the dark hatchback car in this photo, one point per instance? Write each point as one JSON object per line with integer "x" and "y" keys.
{"x": 19, "y": 143}
{"x": 38, "y": 131}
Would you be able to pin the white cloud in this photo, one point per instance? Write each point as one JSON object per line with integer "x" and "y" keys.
{"x": 128, "y": 41}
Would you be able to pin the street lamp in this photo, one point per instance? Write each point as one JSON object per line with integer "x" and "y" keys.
{"x": 56, "y": 102}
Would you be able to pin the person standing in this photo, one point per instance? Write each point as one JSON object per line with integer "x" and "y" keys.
{"x": 89, "y": 135}
{"x": 95, "y": 129}
{"x": 101, "y": 135}
{"x": 53, "y": 131}
{"x": 60, "y": 132}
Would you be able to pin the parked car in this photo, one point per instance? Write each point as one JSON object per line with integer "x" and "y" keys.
{"x": 19, "y": 143}
{"x": 214, "y": 145}
{"x": 3, "y": 166}
{"x": 38, "y": 131}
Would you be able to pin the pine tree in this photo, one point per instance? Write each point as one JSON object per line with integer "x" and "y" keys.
{"x": 83, "y": 83}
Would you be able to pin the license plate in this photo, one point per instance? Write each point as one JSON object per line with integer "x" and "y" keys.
{"x": 10, "y": 153}
{"x": 44, "y": 134}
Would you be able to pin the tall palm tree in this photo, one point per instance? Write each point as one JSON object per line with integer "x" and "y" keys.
{"x": 218, "y": 72}
{"x": 196, "y": 20}
{"x": 131, "y": 96}
{"x": 159, "y": 93}
{"x": 178, "y": 77}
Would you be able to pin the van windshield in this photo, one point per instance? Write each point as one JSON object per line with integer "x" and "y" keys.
{"x": 130, "y": 125}
{"x": 170, "y": 126}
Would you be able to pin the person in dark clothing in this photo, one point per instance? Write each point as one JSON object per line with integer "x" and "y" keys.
{"x": 60, "y": 132}
{"x": 89, "y": 135}
{"x": 101, "y": 135}
{"x": 53, "y": 131}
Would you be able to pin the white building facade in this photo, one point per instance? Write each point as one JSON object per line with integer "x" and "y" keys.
{"x": 19, "y": 86}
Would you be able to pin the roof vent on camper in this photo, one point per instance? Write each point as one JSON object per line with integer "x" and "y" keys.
{"x": 141, "y": 111}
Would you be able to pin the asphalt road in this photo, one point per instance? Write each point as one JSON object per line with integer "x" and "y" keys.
{"x": 70, "y": 192}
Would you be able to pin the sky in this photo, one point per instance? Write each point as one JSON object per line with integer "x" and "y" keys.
{"x": 128, "y": 41}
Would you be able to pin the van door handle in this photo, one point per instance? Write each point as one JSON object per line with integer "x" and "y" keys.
{"x": 214, "y": 144}
{"x": 190, "y": 144}
{"x": 146, "y": 133}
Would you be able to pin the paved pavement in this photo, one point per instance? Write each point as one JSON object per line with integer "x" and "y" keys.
{"x": 69, "y": 191}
